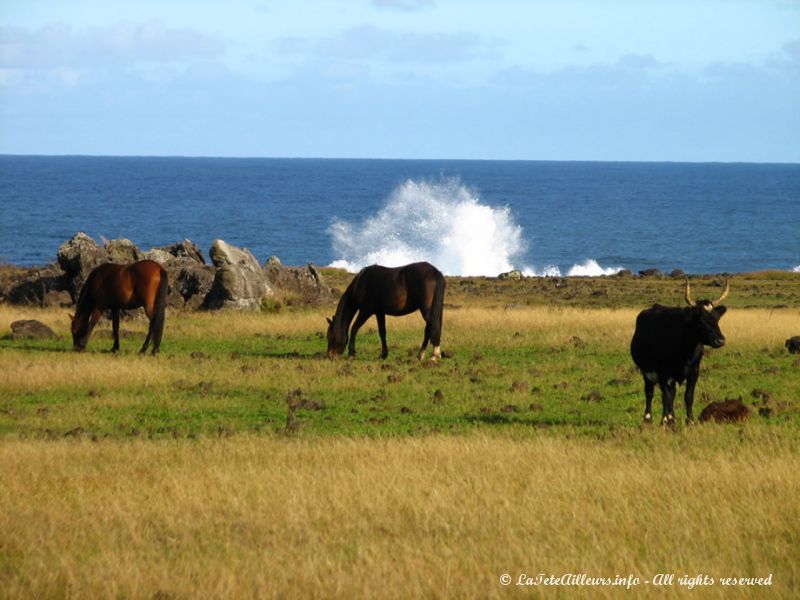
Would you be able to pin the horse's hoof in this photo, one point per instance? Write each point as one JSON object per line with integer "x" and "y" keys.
{"x": 689, "y": 421}
{"x": 648, "y": 419}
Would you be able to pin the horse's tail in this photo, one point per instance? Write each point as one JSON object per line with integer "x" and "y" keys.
{"x": 437, "y": 308}
{"x": 160, "y": 309}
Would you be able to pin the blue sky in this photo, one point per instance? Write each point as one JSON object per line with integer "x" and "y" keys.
{"x": 506, "y": 79}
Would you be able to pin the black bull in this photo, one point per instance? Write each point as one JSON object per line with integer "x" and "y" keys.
{"x": 667, "y": 346}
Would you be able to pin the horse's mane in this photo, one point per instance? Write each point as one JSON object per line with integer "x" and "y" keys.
{"x": 347, "y": 296}
{"x": 84, "y": 293}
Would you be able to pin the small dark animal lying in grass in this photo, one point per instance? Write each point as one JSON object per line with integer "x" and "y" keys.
{"x": 728, "y": 411}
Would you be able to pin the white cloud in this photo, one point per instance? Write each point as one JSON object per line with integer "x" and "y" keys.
{"x": 58, "y": 45}
{"x": 404, "y": 5}
{"x": 639, "y": 61}
{"x": 367, "y": 42}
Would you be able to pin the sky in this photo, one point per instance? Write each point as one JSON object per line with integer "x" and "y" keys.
{"x": 679, "y": 80}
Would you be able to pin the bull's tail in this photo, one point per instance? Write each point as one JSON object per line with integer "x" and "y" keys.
{"x": 159, "y": 310}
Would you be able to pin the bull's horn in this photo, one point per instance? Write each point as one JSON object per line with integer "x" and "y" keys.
{"x": 688, "y": 294}
{"x": 724, "y": 294}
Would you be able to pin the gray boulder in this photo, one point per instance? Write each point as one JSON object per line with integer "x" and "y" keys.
{"x": 77, "y": 257}
{"x": 45, "y": 286}
{"x": 190, "y": 280}
{"x": 122, "y": 251}
{"x": 183, "y": 249}
{"x": 650, "y": 272}
{"x": 159, "y": 255}
{"x": 30, "y": 329}
{"x": 239, "y": 282}
{"x": 302, "y": 285}
{"x": 186, "y": 249}
{"x": 511, "y": 275}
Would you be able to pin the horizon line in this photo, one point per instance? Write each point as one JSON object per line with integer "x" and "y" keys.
{"x": 383, "y": 158}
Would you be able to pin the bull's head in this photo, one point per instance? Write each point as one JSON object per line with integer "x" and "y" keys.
{"x": 705, "y": 314}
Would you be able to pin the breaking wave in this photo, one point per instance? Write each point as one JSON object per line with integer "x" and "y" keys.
{"x": 440, "y": 222}
{"x": 589, "y": 268}
{"x": 446, "y": 224}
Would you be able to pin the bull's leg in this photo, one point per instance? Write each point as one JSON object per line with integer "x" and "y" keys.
{"x": 649, "y": 386}
{"x": 667, "y": 398}
{"x": 360, "y": 320}
{"x": 688, "y": 396}
{"x": 382, "y": 332}
{"x": 115, "y": 329}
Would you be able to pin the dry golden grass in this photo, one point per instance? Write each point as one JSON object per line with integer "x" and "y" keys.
{"x": 333, "y": 516}
{"x": 766, "y": 326}
{"x": 439, "y": 517}
{"x": 464, "y": 329}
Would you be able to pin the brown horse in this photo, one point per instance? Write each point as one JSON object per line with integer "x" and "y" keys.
{"x": 121, "y": 287}
{"x": 382, "y": 291}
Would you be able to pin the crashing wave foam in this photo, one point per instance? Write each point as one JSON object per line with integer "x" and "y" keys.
{"x": 446, "y": 224}
{"x": 441, "y": 222}
{"x": 589, "y": 268}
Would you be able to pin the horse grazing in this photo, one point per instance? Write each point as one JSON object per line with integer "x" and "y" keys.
{"x": 116, "y": 287}
{"x": 382, "y": 291}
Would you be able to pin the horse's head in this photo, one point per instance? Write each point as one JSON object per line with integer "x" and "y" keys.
{"x": 337, "y": 339}
{"x": 81, "y": 328}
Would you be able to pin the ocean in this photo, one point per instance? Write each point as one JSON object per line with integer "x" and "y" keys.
{"x": 466, "y": 217}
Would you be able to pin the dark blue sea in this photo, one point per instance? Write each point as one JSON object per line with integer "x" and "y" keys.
{"x": 468, "y": 217}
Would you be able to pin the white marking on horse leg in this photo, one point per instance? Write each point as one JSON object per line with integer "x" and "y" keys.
{"x": 437, "y": 353}
{"x": 420, "y": 354}
{"x": 648, "y": 417}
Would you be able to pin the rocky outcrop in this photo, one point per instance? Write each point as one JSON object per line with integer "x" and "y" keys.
{"x": 183, "y": 249}
{"x": 45, "y": 286}
{"x": 239, "y": 282}
{"x": 235, "y": 280}
{"x": 650, "y": 273}
{"x": 77, "y": 257}
{"x": 297, "y": 285}
{"x": 30, "y": 329}
{"x": 122, "y": 251}
{"x": 190, "y": 279}
{"x": 514, "y": 275}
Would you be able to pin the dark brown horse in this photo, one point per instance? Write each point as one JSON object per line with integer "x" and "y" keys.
{"x": 382, "y": 291}
{"x": 121, "y": 287}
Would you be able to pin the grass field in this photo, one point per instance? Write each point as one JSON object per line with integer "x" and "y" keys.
{"x": 241, "y": 462}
